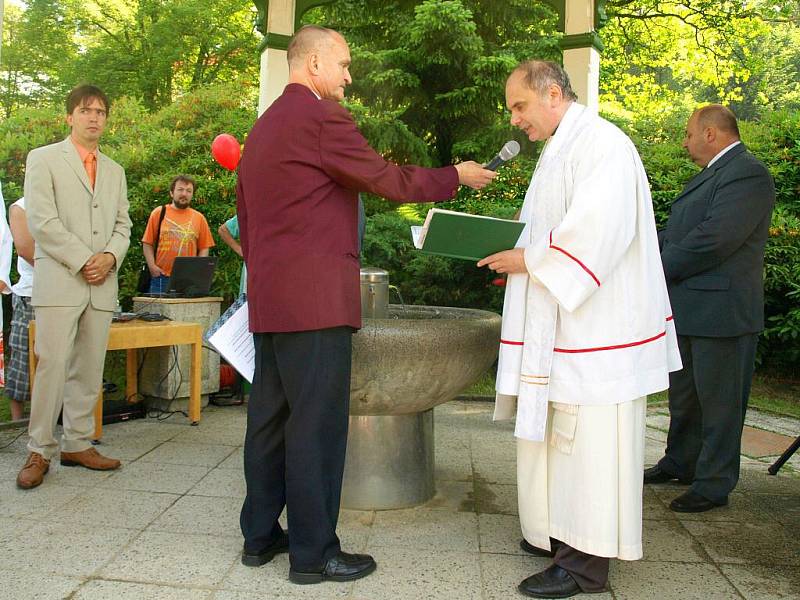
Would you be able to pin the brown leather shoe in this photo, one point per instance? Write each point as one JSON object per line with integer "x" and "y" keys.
{"x": 33, "y": 472}
{"x": 89, "y": 458}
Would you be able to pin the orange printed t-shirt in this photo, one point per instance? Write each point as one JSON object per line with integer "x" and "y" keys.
{"x": 183, "y": 233}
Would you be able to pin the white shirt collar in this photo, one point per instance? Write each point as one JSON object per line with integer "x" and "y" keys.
{"x": 723, "y": 151}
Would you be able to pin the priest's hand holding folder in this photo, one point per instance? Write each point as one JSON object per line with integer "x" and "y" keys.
{"x": 465, "y": 236}
{"x": 507, "y": 261}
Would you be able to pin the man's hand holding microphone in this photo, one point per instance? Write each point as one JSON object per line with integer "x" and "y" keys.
{"x": 479, "y": 176}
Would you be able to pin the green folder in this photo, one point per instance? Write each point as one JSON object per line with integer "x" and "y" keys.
{"x": 465, "y": 236}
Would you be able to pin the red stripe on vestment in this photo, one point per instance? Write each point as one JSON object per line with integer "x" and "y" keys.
{"x": 583, "y": 266}
{"x": 510, "y": 343}
{"x": 639, "y": 343}
{"x": 669, "y": 318}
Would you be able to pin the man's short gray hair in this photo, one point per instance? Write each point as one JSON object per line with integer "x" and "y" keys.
{"x": 307, "y": 39}
{"x": 539, "y": 75}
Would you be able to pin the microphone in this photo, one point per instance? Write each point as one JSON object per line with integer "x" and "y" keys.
{"x": 507, "y": 152}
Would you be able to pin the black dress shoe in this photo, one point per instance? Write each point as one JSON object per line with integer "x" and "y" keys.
{"x": 535, "y": 550}
{"x": 657, "y": 475}
{"x": 553, "y": 582}
{"x": 257, "y": 558}
{"x": 694, "y": 503}
{"x": 340, "y": 567}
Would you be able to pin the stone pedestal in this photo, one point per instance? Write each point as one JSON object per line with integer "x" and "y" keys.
{"x": 164, "y": 374}
{"x": 403, "y": 366}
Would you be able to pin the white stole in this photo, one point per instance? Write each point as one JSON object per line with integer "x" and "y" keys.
{"x": 530, "y": 312}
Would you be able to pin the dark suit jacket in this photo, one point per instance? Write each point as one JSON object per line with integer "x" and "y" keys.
{"x": 303, "y": 165}
{"x": 713, "y": 247}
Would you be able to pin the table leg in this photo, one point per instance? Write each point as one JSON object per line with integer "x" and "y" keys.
{"x": 131, "y": 376}
{"x": 195, "y": 383}
{"x": 98, "y": 417}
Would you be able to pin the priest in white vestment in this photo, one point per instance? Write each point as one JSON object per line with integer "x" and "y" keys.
{"x": 587, "y": 334}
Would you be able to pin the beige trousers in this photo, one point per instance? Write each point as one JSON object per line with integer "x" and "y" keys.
{"x": 71, "y": 348}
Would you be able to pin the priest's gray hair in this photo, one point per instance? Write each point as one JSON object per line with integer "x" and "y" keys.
{"x": 309, "y": 38}
{"x": 539, "y": 75}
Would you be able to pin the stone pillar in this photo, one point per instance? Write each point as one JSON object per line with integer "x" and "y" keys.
{"x": 581, "y": 45}
{"x": 278, "y": 30}
{"x": 274, "y": 75}
{"x": 583, "y": 67}
{"x": 277, "y": 20}
{"x": 164, "y": 372}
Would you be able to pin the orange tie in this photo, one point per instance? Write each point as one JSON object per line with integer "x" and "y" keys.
{"x": 90, "y": 164}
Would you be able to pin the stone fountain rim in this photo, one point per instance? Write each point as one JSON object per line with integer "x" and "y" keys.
{"x": 477, "y": 313}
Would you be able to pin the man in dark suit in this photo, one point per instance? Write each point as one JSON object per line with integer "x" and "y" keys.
{"x": 713, "y": 255}
{"x": 297, "y": 197}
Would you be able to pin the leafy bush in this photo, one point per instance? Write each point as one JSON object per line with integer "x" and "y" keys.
{"x": 155, "y": 147}
{"x": 423, "y": 278}
{"x": 779, "y": 348}
{"x": 776, "y": 141}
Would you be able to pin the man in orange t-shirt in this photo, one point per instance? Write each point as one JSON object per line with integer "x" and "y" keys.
{"x": 183, "y": 232}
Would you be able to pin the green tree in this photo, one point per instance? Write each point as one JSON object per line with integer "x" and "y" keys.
{"x": 154, "y": 50}
{"x": 158, "y": 49}
{"x": 662, "y": 53}
{"x": 38, "y": 46}
{"x": 436, "y": 69}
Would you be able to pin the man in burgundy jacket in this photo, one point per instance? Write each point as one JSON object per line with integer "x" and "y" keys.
{"x": 297, "y": 197}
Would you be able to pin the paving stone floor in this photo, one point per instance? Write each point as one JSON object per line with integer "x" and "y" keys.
{"x": 165, "y": 526}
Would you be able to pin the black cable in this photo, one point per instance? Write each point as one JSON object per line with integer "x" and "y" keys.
{"x": 162, "y": 415}
{"x": 19, "y": 435}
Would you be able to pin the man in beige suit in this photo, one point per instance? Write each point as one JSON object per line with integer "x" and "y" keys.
{"x": 77, "y": 209}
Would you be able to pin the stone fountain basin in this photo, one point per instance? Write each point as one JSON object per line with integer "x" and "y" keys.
{"x": 419, "y": 357}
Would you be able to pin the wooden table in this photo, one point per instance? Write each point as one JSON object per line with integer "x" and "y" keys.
{"x": 132, "y": 335}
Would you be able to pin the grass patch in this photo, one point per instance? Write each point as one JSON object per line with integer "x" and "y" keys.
{"x": 5, "y": 408}
{"x": 483, "y": 387}
{"x": 776, "y": 395}
{"x": 768, "y": 393}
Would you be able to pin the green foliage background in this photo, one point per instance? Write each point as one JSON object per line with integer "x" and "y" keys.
{"x": 428, "y": 88}
{"x": 153, "y": 147}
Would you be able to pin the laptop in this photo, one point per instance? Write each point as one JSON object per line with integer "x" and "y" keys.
{"x": 191, "y": 276}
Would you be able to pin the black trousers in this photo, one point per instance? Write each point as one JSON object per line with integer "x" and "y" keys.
{"x": 707, "y": 404}
{"x": 296, "y": 439}
{"x": 589, "y": 572}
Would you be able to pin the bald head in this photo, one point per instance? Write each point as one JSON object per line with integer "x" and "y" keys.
{"x": 710, "y": 130}
{"x": 719, "y": 117}
{"x": 309, "y": 39}
{"x": 320, "y": 60}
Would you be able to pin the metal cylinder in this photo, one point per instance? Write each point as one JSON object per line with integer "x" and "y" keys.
{"x": 374, "y": 293}
{"x": 390, "y": 461}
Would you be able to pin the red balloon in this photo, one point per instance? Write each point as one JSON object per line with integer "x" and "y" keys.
{"x": 226, "y": 150}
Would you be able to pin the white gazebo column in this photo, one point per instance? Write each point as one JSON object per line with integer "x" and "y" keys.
{"x": 277, "y": 20}
{"x": 581, "y": 46}
{"x": 279, "y": 27}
